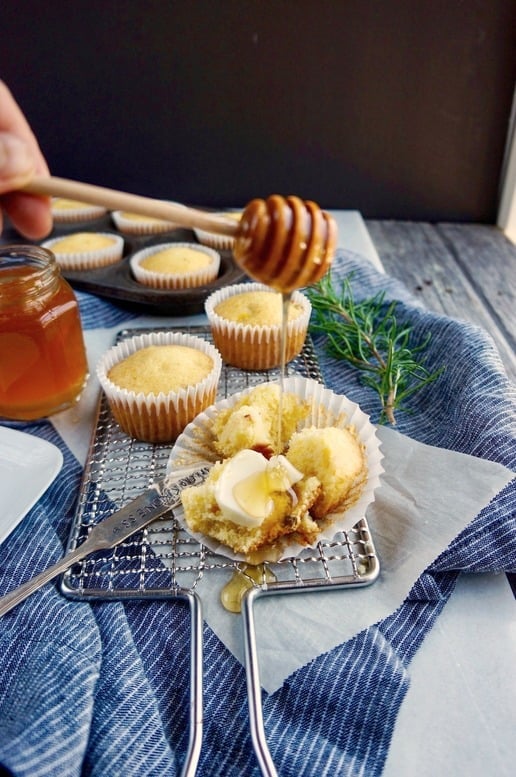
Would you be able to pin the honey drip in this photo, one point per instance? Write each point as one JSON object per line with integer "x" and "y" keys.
{"x": 254, "y": 493}
{"x": 285, "y": 299}
{"x": 241, "y": 581}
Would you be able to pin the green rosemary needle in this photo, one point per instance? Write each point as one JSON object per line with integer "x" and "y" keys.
{"x": 365, "y": 333}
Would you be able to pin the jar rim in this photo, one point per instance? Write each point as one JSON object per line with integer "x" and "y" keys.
{"x": 16, "y": 253}
{"x": 28, "y": 270}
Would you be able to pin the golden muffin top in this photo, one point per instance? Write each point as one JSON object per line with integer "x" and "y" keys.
{"x": 260, "y": 308}
{"x": 161, "y": 368}
{"x": 82, "y": 241}
{"x": 142, "y": 219}
{"x": 176, "y": 260}
{"x": 63, "y": 203}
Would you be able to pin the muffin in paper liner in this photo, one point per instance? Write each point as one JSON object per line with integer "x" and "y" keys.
{"x": 219, "y": 242}
{"x": 195, "y": 447}
{"x": 256, "y": 346}
{"x": 159, "y": 417}
{"x": 66, "y": 211}
{"x": 136, "y": 224}
{"x": 173, "y": 280}
{"x": 86, "y": 250}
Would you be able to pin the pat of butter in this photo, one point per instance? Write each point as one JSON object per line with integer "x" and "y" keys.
{"x": 245, "y": 487}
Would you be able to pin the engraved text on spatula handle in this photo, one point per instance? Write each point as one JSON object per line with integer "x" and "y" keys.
{"x": 146, "y": 508}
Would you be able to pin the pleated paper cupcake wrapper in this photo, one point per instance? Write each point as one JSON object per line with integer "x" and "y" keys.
{"x": 161, "y": 417}
{"x": 142, "y": 225}
{"x": 252, "y": 346}
{"x": 162, "y": 280}
{"x": 89, "y": 260}
{"x": 213, "y": 240}
{"x": 195, "y": 445}
{"x": 71, "y": 215}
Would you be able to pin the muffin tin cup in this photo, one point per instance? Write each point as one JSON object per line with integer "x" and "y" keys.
{"x": 161, "y": 280}
{"x": 158, "y": 418}
{"x": 88, "y": 260}
{"x": 252, "y": 346}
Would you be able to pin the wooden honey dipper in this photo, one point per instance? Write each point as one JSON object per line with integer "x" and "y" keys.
{"x": 284, "y": 242}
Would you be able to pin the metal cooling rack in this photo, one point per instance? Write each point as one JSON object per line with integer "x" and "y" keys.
{"x": 164, "y": 561}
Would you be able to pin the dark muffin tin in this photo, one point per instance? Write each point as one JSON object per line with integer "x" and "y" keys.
{"x": 117, "y": 282}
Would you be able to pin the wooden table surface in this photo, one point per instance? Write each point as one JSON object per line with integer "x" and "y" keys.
{"x": 466, "y": 271}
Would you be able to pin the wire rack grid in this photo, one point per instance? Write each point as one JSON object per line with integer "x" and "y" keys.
{"x": 164, "y": 557}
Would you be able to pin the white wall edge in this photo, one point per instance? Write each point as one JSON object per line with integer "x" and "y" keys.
{"x": 506, "y": 218}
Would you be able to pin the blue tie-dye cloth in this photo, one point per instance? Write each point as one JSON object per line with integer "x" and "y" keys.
{"x": 101, "y": 689}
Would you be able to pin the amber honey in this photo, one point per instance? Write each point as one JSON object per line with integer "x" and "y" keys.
{"x": 43, "y": 364}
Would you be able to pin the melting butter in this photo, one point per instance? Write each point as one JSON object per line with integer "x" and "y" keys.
{"x": 245, "y": 488}
{"x": 252, "y": 494}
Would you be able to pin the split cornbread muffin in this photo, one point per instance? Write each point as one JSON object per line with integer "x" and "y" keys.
{"x": 262, "y": 495}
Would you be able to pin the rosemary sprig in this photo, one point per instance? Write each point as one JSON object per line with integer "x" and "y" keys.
{"x": 365, "y": 333}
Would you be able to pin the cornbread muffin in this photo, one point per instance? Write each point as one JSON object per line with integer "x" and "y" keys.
{"x": 86, "y": 250}
{"x": 336, "y": 458}
{"x": 219, "y": 242}
{"x": 253, "y": 421}
{"x": 67, "y": 211}
{"x": 246, "y": 323}
{"x": 136, "y": 224}
{"x": 289, "y": 515}
{"x": 175, "y": 265}
{"x": 157, "y": 383}
{"x": 159, "y": 369}
{"x": 323, "y": 472}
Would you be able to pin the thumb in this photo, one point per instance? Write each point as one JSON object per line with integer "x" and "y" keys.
{"x": 17, "y": 164}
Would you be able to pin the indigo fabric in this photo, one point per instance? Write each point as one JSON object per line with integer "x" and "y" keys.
{"x": 101, "y": 689}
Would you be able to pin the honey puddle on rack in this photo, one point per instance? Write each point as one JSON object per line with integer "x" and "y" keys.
{"x": 258, "y": 491}
{"x": 241, "y": 581}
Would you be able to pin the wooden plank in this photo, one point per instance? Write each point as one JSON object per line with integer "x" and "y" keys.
{"x": 488, "y": 259}
{"x": 463, "y": 271}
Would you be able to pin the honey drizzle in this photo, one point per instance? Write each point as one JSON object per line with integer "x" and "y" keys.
{"x": 244, "y": 579}
{"x": 285, "y": 303}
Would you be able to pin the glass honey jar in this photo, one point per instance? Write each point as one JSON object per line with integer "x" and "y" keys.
{"x": 43, "y": 365}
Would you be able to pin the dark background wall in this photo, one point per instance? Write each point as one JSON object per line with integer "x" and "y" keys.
{"x": 397, "y": 108}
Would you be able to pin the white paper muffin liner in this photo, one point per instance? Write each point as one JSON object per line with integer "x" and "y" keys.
{"x": 195, "y": 446}
{"x": 252, "y": 346}
{"x": 142, "y": 225}
{"x": 88, "y": 260}
{"x": 161, "y": 280}
{"x": 213, "y": 240}
{"x": 70, "y": 215}
{"x": 158, "y": 417}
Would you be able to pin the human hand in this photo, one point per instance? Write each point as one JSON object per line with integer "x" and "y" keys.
{"x": 20, "y": 159}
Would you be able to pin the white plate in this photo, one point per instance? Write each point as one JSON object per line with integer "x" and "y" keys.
{"x": 28, "y": 465}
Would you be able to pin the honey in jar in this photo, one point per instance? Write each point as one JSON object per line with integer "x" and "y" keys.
{"x": 43, "y": 366}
